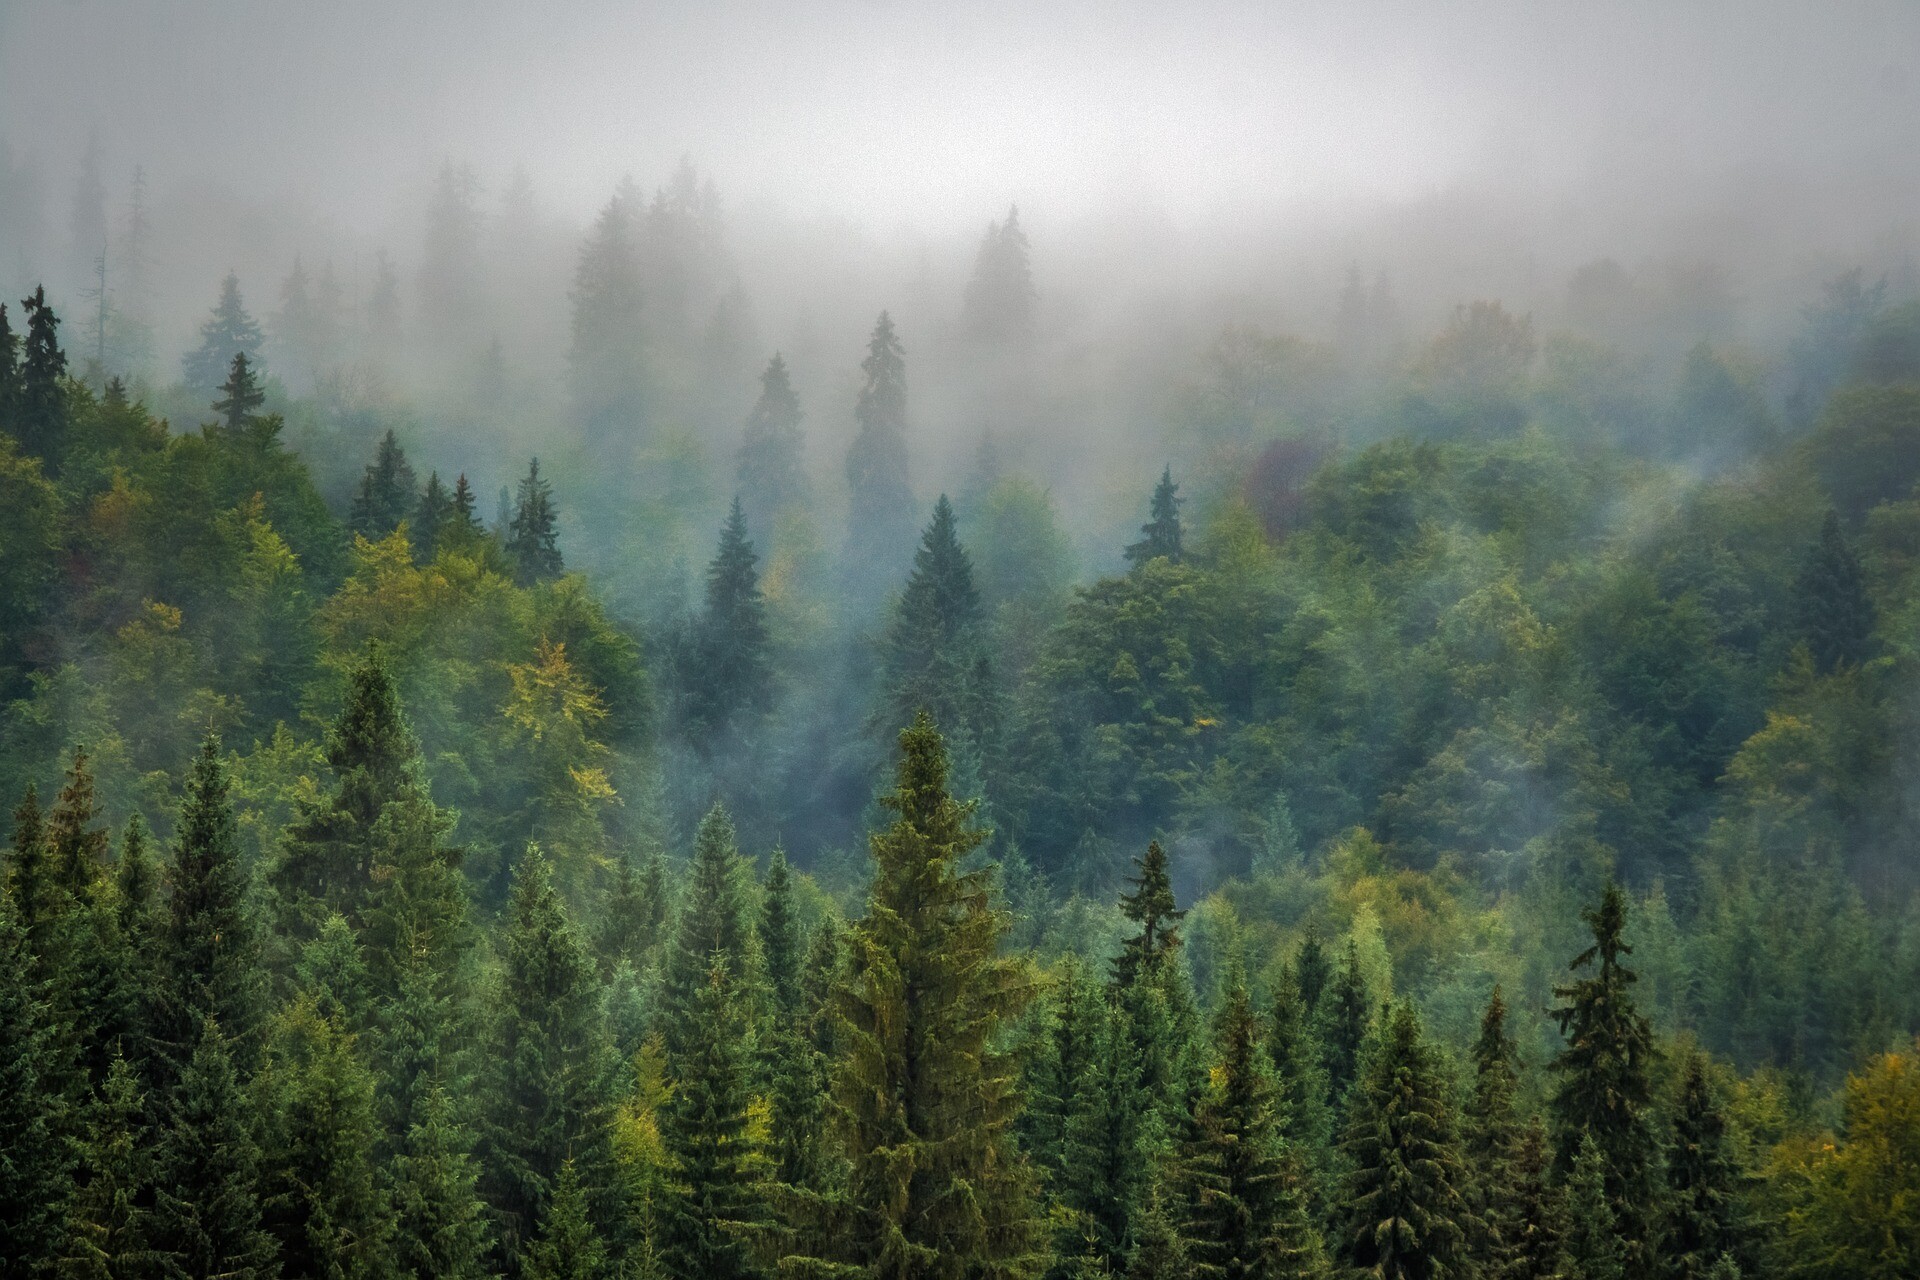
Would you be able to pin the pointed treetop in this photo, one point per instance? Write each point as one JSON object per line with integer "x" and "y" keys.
{"x": 1162, "y": 531}
{"x": 241, "y": 395}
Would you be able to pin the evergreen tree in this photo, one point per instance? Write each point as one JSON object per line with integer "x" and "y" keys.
{"x": 1162, "y": 529}
{"x": 533, "y": 537}
{"x": 206, "y": 1215}
{"x": 462, "y": 530}
{"x": 40, "y": 404}
{"x": 240, "y": 395}
{"x": 730, "y": 674}
{"x": 1159, "y": 1251}
{"x": 228, "y": 332}
{"x": 1151, "y": 907}
{"x": 935, "y": 655}
{"x": 332, "y": 975}
{"x": 208, "y": 949}
{"x": 713, "y": 1194}
{"x": 925, "y": 1098}
{"x": 568, "y": 1248}
{"x": 78, "y": 848}
{"x": 1246, "y": 1210}
{"x": 548, "y": 1093}
{"x": 999, "y": 303}
{"x": 771, "y": 473}
{"x": 1407, "y": 1212}
{"x": 36, "y": 1174}
{"x": 416, "y": 912}
{"x": 713, "y": 923}
{"x": 1299, "y": 1079}
{"x": 1110, "y": 1139}
{"x": 607, "y": 360}
{"x": 1059, "y": 1067}
{"x": 433, "y": 514}
{"x": 1605, "y": 1089}
{"x": 136, "y": 905}
{"x": 110, "y": 1235}
{"x": 635, "y": 919}
{"x": 386, "y": 493}
{"x": 1835, "y": 615}
{"x": 1312, "y": 971}
{"x": 31, "y": 884}
{"x": 1592, "y": 1247}
{"x": 1346, "y": 1016}
{"x": 440, "y": 1227}
{"x": 9, "y": 374}
{"x": 779, "y": 935}
{"x": 880, "y": 515}
{"x": 1532, "y": 1251}
{"x": 1702, "y": 1221}
{"x": 1492, "y": 1133}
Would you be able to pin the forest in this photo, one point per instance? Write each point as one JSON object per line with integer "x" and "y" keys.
{"x": 516, "y": 770}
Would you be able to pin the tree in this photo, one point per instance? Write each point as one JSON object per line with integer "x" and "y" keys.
{"x": 40, "y": 399}
{"x": 461, "y": 529}
{"x": 206, "y": 1216}
{"x": 771, "y": 471}
{"x": 433, "y": 514}
{"x": 1312, "y": 971}
{"x": 926, "y": 1098}
{"x": 935, "y": 654}
{"x": 730, "y": 675}
{"x": 78, "y": 848}
{"x": 36, "y": 1175}
{"x": 1492, "y": 1132}
{"x": 635, "y": 919}
{"x": 1150, "y": 906}
{"x": 386, "y": 494}
{"x": 999, "y": 302}
{"x": 1345, "y": 1018}
{"x": 1246, "y": 1210}
{"x": 1300, "y": 1082}
{"x": 1702, "y": 1221}
{"x": 713, "y": 925}
{"x": 228, "y": 332}
{"x": 568, "y": 1248}
{"x": 1058, "y": 1067}
{"x": 440, "y": 1224}
{"x": 1110, "y": 1137}
{"x": 1592, "y": 1247}
{"x": 32, "y": 887}
{"x": 9, "y": 373}
{"x": 1407, "y": 1212}
{"x": 112, "y": 1215}
{"x": 1835, "y": 616}
{"x": 880, "y": 514}
{"x": 1605, "y": 1088}
{"x": 1159, "y": 1251}
{"x": 607, "y": 360}
{"x": 533, "y": 538}
{"x": 1162, "y": 529}
{"x": 240, "y": 395}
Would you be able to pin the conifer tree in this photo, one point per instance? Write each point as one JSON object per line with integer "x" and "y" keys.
{"x": 1246, "y": 1210}
{"x": 779, "y": 935}
{"x": 1346, "y": 1016}
{"x": 1059, "y": 1067}
{"x": 1605, "y": 1090}
{"x": 206, "y": 1216}
{"x": 332, "y": 974}
{"x": 935, "y": 654}
{"x": 607, "y": 359}
{"x": 1532, "y": 1250}
{"x": 771, "y": 473}
{"x": 1150, "y": 906}
{"x": 440, "y": 1229}
{"x": 1312, "y": 972}
{"x": 713, "y": 923}
{"x": 926, "y": 1098}
{"x": 635, "y": 917}
{"x": 40, "y": 406}
{"x": 568, "y": 1248}
{"x": 1835, "y": 615}
{"x": 9, "y": 373}
{"x": 999, "y": 301}
{"x": 386, "y": 493}
{"x": 227, "y": 332}
{"x": 1407, "y": 1213}
{"x": 1159, "y": 1251}
{"x": 713, "y": 1196}
{"x": 111, "y": 1220}
{"x": 1702, "y": 1218}
{"x": 138, "y": 915}
{"x": 78, "y": 848}
{"x": 1300, "y": 1081}
{"x": 1162, "y": 529}
{"x": 1110, "y": 1141}
{"x": 31, "y": 884}
{"x": 880, "y": 515}
{"x": 533, "y": 536}
{"x": 1592, "y": 1247}
{"x": 1492, "y": 1132}
{"x": 433, "y": 514}
{"x": 240, "y": 395}
{"x": 209, "y": 951}
{"x": 36, "y": 1174}
{"x": 730, "y": 675}
{"x": 462, "y": 530}
{"x": 547, "y": 1093}
{"x": 416, "y": 910}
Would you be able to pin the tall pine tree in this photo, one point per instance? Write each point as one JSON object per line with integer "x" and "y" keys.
{"x": 386, "y": 493}
{"x": 728, "y": 677}
{"x": 880, "y": 513}
{"x": 228, "y": 332}
{"x": 1161, "y": 532}
{"x": 206, "y": 1215}
{"x": 533, "y": 537}
{"x": 1702, "y": 1219}
{"x": 771, "y": 471}
{"x": 935, "y": 654}
{"x": 40, "y": 404}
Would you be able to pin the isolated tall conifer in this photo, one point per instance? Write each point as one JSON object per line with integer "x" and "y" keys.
{"x": 240, "y": 395}
{"x": 40, "y": 406}
{"x": 1150, "y": 905}
{"x": 227, "y": 332}
{"x": 880, "y": 511}
{"x": 935, "y": 656}
{"x": 1162, "y": 535}
{"x": 533, "y": 535}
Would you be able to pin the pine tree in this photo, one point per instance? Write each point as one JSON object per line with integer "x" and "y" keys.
{"x": 547, "y": 1095}
{"x": 430, "y": 517}
{"x": 1246, "y": 1209}
{"x": 1492, "y": 1131}
{"x": 1110, "y": 1139}
{"x": 1150, "y": 906}
{"x": 36, "y": 1175}
{"x": 1346, "y": 1015}
{"x": 568, "y": 1248}
{"x": 607, "y": 361}
{"x": 926, "y": 1099}
{"x": 635, "y": 919}
{"x": 137, "y": 907}
{"x": 1835, "y": 615}
{"x": 111, "y": 1219}
{"x": 1533, "y": 1249}
{"x": 440, "y": 1226}
{"x": 40, "y": 406}
{"x": 1312, "y": 972}
{"x": 416, "y": 913}
{"x": 713, "y": 1195}
{"x": 206, "y": 1216}
{"x": 779, "y": 935}
{"x": 935, "y": 654}
{"x": 713, "y": 923}
{"x": 240, "y": 395}
{"x": 9, "y": 374}
{"x": 462, "y": 530}
{"x": 78, "y": 848}
{"x": 209, "y": 951}
{"x": 1159, "y": 1251}
{"x": 1702, "y": 1222}
{"x": 1592, "y": 1247}
{"x": 228, "y": 332}
{"x": 1605, "y": 1091}
{"x": 1299, "y": 1079}
{"x": 771, "y": 473}
{"x": 1162, "y": 530}
{"x": 730, "y": 675}
{"x": 386, "y": 493}
{"x": 1407, "y": 1212}
{"x": 1059, "y": 1067}
{"x": 332, "y": 974}
{"x": 999, "y": 302}
{"x": 31, "y": 884}
{"x": 533, "y": 538}
{"x": 880, "y": 515}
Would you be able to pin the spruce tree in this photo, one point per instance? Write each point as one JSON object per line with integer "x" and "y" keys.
{"x": 1059, "y": 1067}
{"x": 1159, "y": 1251}
{"x": 730, "y": 675}
{"x": 1592, "y": 1247}
{"x": 1702, "y": 1217}
{"x": 568, "y": 1248}
{"x": 386, "y": 493}
{"x": 533, "y": 536}
{"x": 607, "y": 364}
{"x": 227, "y": 332}
{"x": 1110, "y": 1139}
{"x": 1246, "y": 1210}
{"x": 433, "y": 514}
{"x": 998, "y": 311}
{"x": 40, "y": 407}
{"x": 1162, "y": 529}
{"x": 440, "y": 1229}
{"x": 779, "y": 934}
{"x": 462, "y": 530}
{"x": 1150, "y": 906}
{"x": 1835, "y": 615}
{"x": 1492, "y": 1131}
{"x": 209, "y": 951}
{"x": 332, "y": 974}
{"x": 9, "y": 373}
{"x": 36, "y": 1173}
{"x": 31, "y": 884}
{"x": 416, "y": 910}
{"x": 635, "y": 918}
{"x": 880, "y": 514}
{"x": 925, "y": 1097}
{"x": 78, "y": 848}
{"x": 206, "y": 1215}
{"x": 1605, "y": 1089}
{"x": 1532, "y": 1251}
{"x": 713, "y": 1195}
{"x": 713, "y": 923}
{"x": 1312, "y": 972}
{"x": 1407, "y": 1213}
{"x": 1299, "y": 1079}
{"x": 1346, "y": 1015}
{"x": 771, "y": 473}
{"x": 935, "y": 655}
{"x": 240, "y": 395}
{"x": 111, "y": 1231}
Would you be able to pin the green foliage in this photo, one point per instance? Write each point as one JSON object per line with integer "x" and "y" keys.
{"x": 386, "y": 495}
{"x": 1702, "y": 1220}
{"x": 34, "y": 1157}
{"x": 880, "y": 520}
{"x": 206, "y": 1217}
{"x": 770, "y": 472}
{"x": 1162, "y": 540}
{"x": 533, "y": 545}
{"x": 1836, "y": 617}
{"x": 727, "y": 675}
